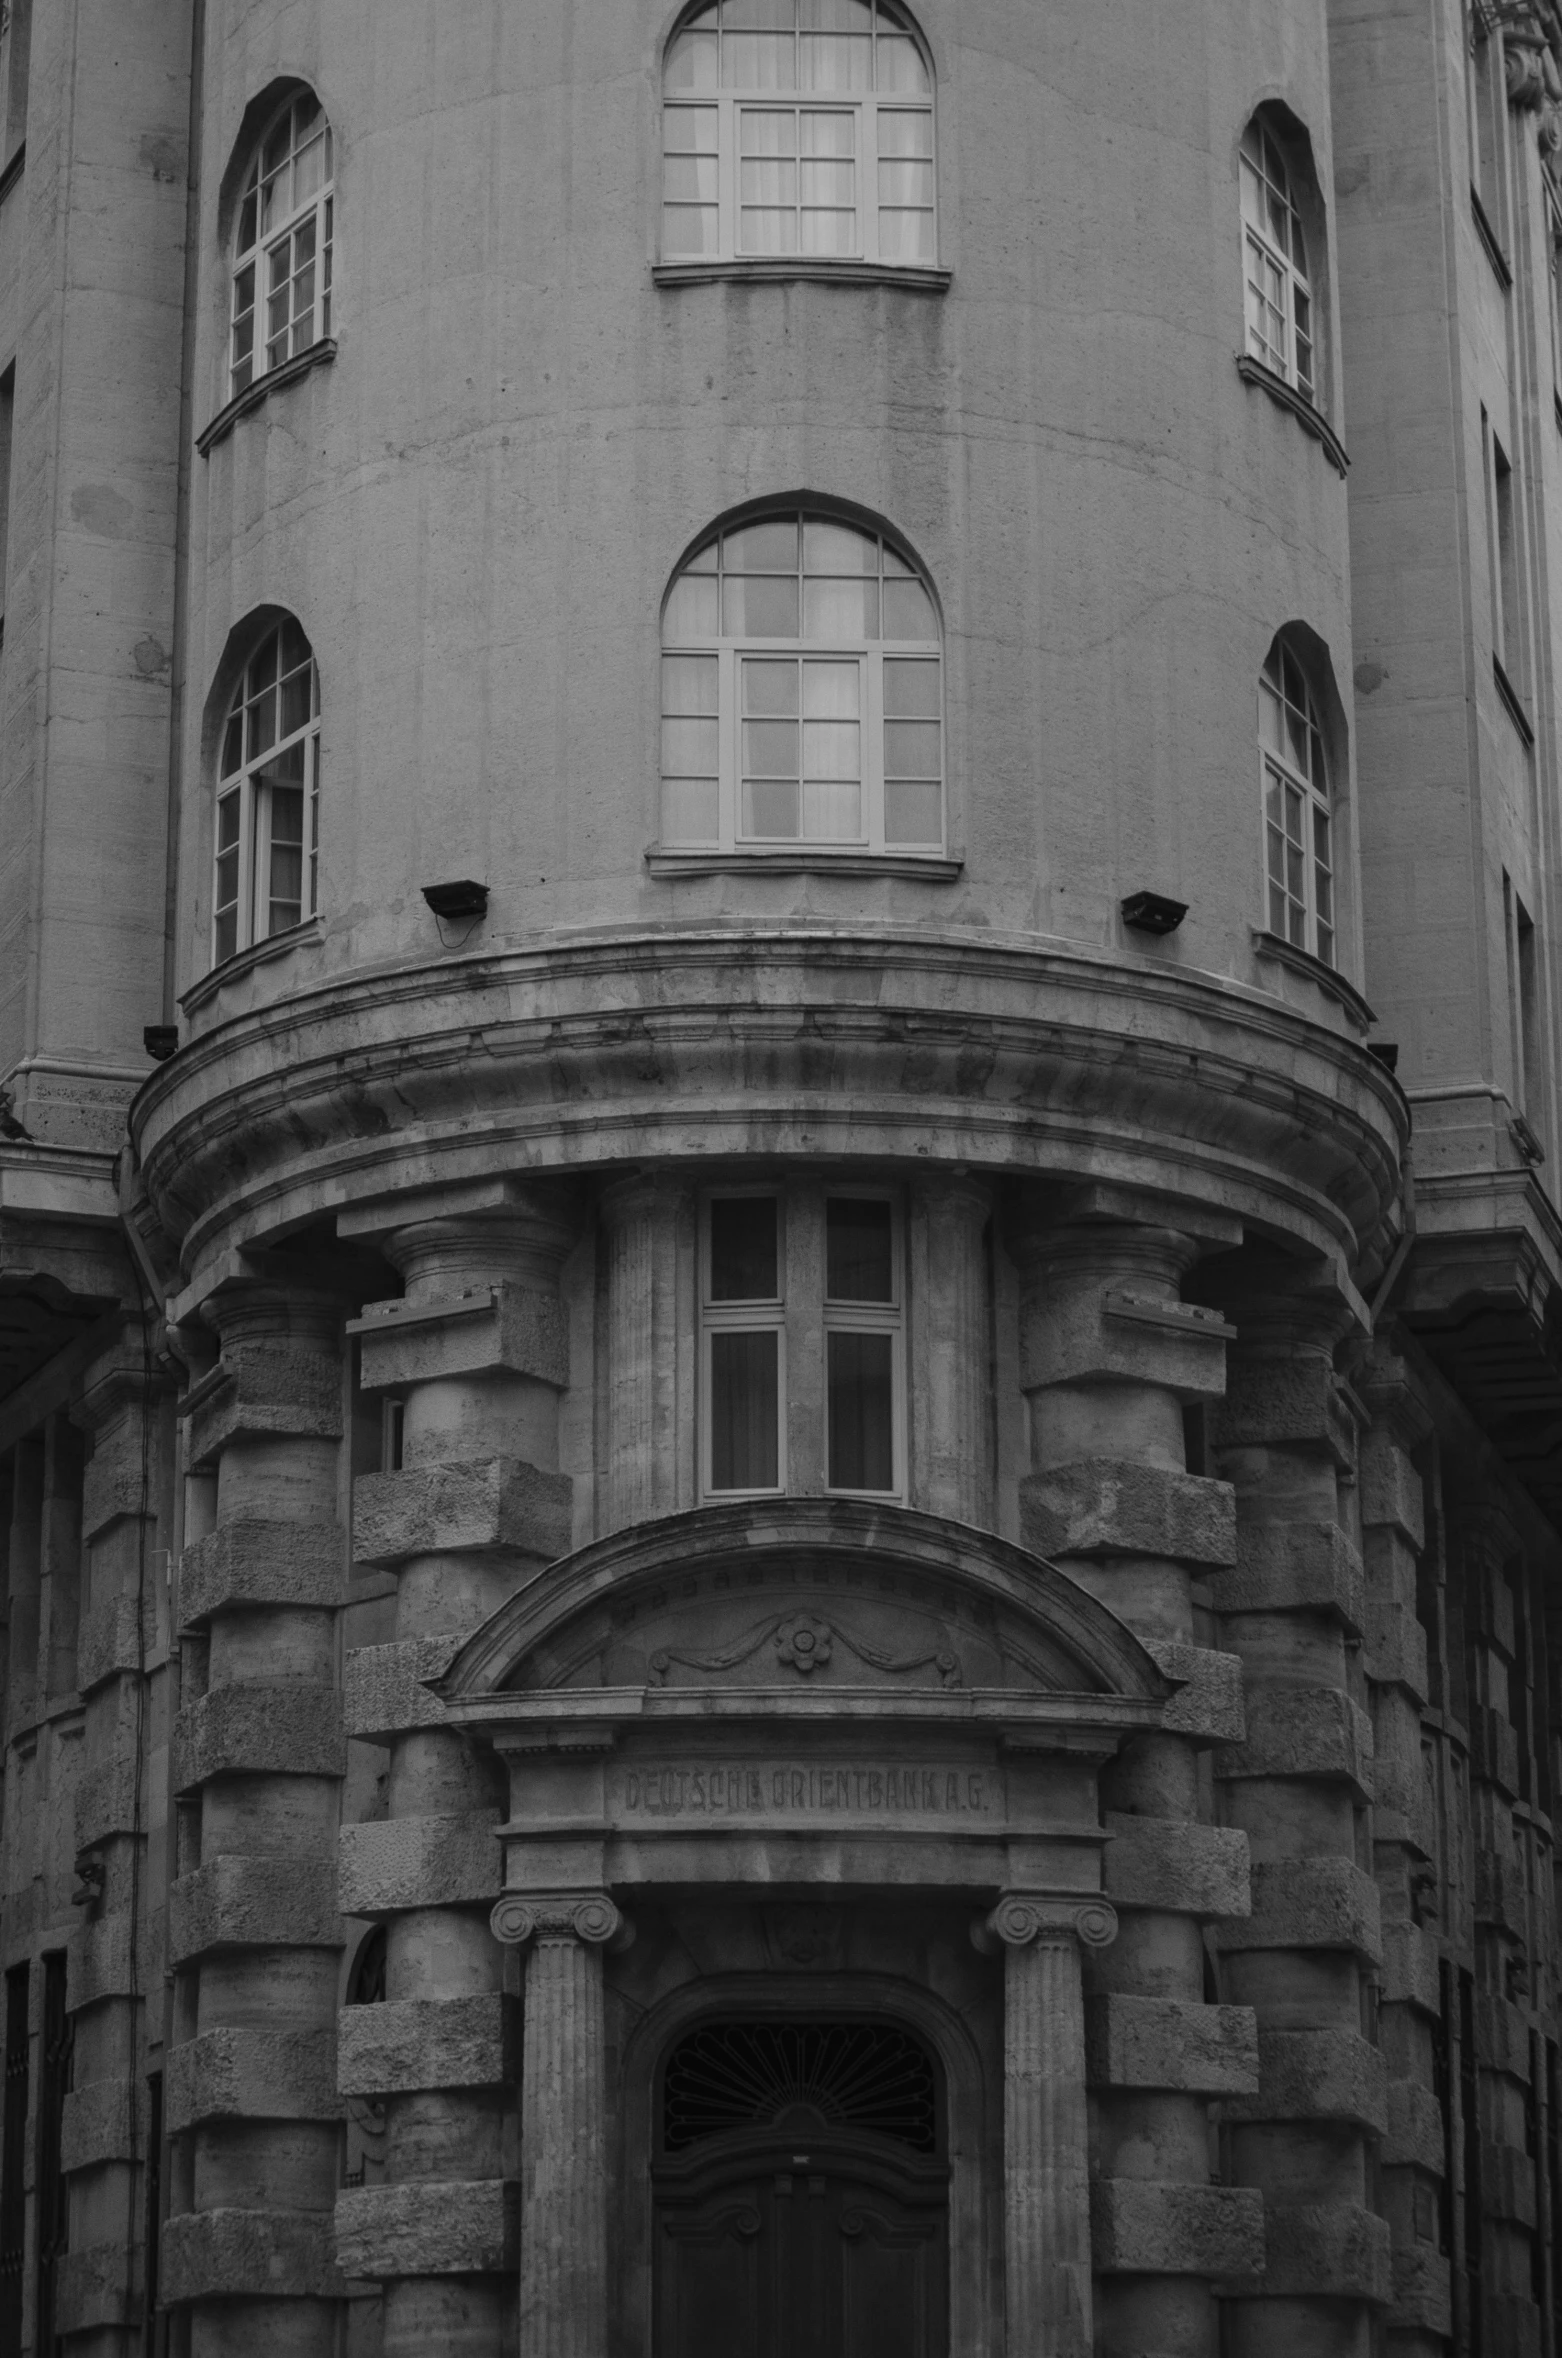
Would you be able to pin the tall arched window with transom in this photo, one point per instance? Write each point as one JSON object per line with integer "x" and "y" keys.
{"x": 1279, "y": 286}
{"x": 282, "y": 244}
{"x": 798, "y": 128}
{"x": 267, "y": 836}
{"x": 802, "y": 694}
{"x": 1298, "y": 807}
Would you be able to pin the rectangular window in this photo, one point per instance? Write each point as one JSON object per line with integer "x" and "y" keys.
{"x": 1554, "y": 287}
{"x": 744, "y": 1319}
{"x": 13, "y": 2160}
{"x": 1486, "y": 92}
{"x": 54, "y": 2081}
{"x": 16, "y": 25}
{"x": 1509, "y": 640}
{"x": 862, "y": 1335}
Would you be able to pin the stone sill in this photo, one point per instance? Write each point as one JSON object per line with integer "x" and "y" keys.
{"x": 1270, "y": 945}
{"x": 1312, "y": 420}
{"x": 260, "y": 389}
{"x": 757, "y": 270}
{"x": 275, "y": 945}
{"x": 923, "y": 868}
{"x": 1513, "y": 703}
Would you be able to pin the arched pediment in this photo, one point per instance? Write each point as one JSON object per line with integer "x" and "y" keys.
{"x": 800, "y": 1600}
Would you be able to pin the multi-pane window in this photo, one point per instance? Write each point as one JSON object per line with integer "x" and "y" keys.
{"x": 282, "y": 250}
{"x": 798, "y": 127}
{"x": 268, "y": 796}
{"x": 802, "y": 697}
{"x": 1298, "y": 819}
{"x": 1274, "y": 252}
{"x": 802, "y": 1329}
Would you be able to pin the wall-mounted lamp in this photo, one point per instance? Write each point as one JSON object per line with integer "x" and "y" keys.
{"x": 464, "y": 898}
{"x": 1152, "y": 912}
{"x": 1386, "y": 1052}
{"x": 161, "y": 1040}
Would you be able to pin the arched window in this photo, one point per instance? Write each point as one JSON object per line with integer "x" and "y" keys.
{"x": 282, "y": 246}
{"x": 268, "y": 790}
{"x": 1298, "y": 811}
{"x": 798, "y": 127}
{"x": 801, "y": 693}
{"x": 1279, "y": 287}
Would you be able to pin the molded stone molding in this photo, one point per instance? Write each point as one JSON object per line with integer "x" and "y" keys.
{"x": 1025, "y": 1916}
{"x": 561, "y": 1915}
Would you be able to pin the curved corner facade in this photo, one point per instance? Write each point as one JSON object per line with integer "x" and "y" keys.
{"x": 778, "y": 1259}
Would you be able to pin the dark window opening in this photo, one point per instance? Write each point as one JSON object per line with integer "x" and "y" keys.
{"x": 800, "y": 2077}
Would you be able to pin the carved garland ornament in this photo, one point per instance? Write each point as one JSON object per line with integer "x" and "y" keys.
{"x": 805, "y": 1643}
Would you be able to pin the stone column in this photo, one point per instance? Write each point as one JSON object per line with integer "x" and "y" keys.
{"x": 479, "y": 1352}
{"x": 1046, "y": 2176}
{"x": 564, "y": 2231}
{"x": 950, "y": 1350}
{"x": 1109, "y": 1357}
{"x": 254, "y": 1935}
{"x": 1300, "y": 1785}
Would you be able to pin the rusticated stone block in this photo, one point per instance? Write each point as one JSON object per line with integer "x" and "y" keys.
{"x": 110, "y": 1798}
{"x": 1391, "y": 1489}
{"x": 1494, "y": 1748}
{"x": 1293, "y": 1568}
{"x": 106, "y": 1644}
{"x": 1501, "y": 2036}
{"x": 383, "y": 1693}
{"x": 248, "y": 1562}
{"x": 228, "y": 2254}
{"x": 1395, "y": 1651}
{"x": 1168, "y": 2043}
{"x": 1276, "y": 1399}
{"x": 396, "y": 1863}
{"x": 1125, "y": 1333}
{"x": 499, "y": 1502}
{"x": 281, "y": 1727}
{"x": 1171, "y": 1863}
{"x": 253, "y": 1903}
{"x": 1146, "y": 2226}
{"x": 1414, "y": 2138}
{"x": 509, "y": 1329}
{"x": 101, "y": 1965}
{"x": 434, "y": 2229}
{"x": 410, "y": 2043}
{"x": 1313, "y": 2075}
{"x": 102, "y": 2122}
{"x": 1410, "y": 1968}
{"x": 1309, "y": 1904}
{"x": 244, "y": 2074}
{"x": 113, "y": 1481}
{"x": 1422, "y": 2292}
{"x": 1303, "y": 1732}
{"x": 1510, "y": 2324}
{"x": 1500, "y": 1896}
{"x": 91, "y": 2289}
{"x": 261, "y": 1391}
{"x": 1507, "y": 2183}
{"x": 1209, "y": 1701}
{"x": 1330, "y": 2251}
{"x": 1114, "y": 1507}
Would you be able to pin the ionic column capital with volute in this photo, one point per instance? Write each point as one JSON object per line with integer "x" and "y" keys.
{"x": 588, "y": 1916}
{"x": 1022, "y": 1917}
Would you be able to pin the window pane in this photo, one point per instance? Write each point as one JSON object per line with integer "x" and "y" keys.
{"x": 906, "y": 184}
{"x": 838, "y": 548}
{"x": 263, "y": 664}
{"x": 745, "y": 1262}
{"x": 232, "y": 744}
{"x": 770, "y": 749}
{"x": 905, "y": 131}
{"x": 913, "y": 813}
{"x": 770, "y": 810}
{"x": 690, "y": 180}
{"x": 859, "y": 1249}
{"x": 691, "y": 59}
{"x": 689, "y": 810}
{"x": 225, "y": 936}
{"x": 759, "y": 608}
{"x": 835, "y": 64}
{"x": 832, "y": 691}
{"x": 689, "y": 130}
{"x": 840, "y": 609}
{"x": 262, "y": 725}
{"x": 831, "y": 749}
{"x": 758, "y": 61}
{"x": 911, "y": 749}
{"x": 689, "y": 748}
{"x": 744, "y": 1411}
{"x": 770, "y": 688}
{"x": 689, "y": 684}
{"x": 832, "y": 812}
{"x": 910, "y": 690}
{"x": 691, "y": 609}
{"x": 248, "y": 213}
{"x": 862, "y": 1412}
{"x": 822, "y": 232}
{"x": 906, "y": 237}
{"x": 908, "y": 612}
{"x": 296, "y": 701}
{"x": 899, "y": 64}
{"x": 770, "y": 547}
{"x": 292, "y": 646}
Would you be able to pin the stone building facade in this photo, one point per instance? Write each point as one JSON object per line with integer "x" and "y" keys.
{"x": 780, "y": 1276}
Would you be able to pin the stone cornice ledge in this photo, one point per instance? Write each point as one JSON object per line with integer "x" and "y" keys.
{"x": 261, "y": 389}
{"x": 1253, "y": 372}
{"x": 1328, "y": 978}
{"x": 928, "y": 279}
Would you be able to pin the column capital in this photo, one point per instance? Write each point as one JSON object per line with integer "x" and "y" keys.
{"x": 1025, "y": 1916}
{"x": 588, "y": 1916}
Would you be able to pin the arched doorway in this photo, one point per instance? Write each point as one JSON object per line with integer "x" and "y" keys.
{"x": 801, "y": 2192}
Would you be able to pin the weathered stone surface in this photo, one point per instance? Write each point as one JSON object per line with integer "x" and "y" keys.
{"x": 443, "y": 2229}
{"x": 1395, "y": 1647}
{"x": 1410, "y": 1968}
{"x": 231, "y": 2253}
{"x": 1414, "y": 2137}
{"x": 1172, "y": 1863}
{"x": 114, "y": 1479}
{"x": 1108, "y": 1506}
{"x": 102, "y": 2122}
{"x": 265, "y": 1390}
{"x": 1423, "y": 2298}
{"x": 253, "y": 1903}
{"x": 1293, "y": 1567}
{"x": 1501, "y": 1897}
{"x": 1125, "y": 1334}
{"x": 396, "y": 1863}
{"x": 107, "y": 1640}
{"x": 383, "y": 1693}
{"x": 281, "y": 1727}
{"x": 91, "y": 2289}
{"x": 1507, "y": 2183}
{"x": 1209, "y": 1702}
{"x": 1309, "y": 1904}
{"x": 1142, "y": 2226}
{"x": 1391, "y": 1490}
{"x": 248, "y": 1562}
{"x": 1317, "y": 2075}
{"x": 1166, "y": 2043}
{"x": 1303, "y": 1732}
{"x": 1273, "y": 1399}
{"x": 497, "y": 1502}
{"x": 516, "y": 1330}
{"x": 1334, "y": 2251}
{"x": 239, "y": 2073}
{"x": 100, "y": 1960}
{"x": 111, "y": 1796}
{"x": 411, "y": 2043}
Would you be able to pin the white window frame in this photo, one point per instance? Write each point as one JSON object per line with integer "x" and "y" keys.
{"x": 1278, "y": 771}
{"x": 870, "y": 656}
{"x": 729, "y": 106}
{"x": 250, "y": 794}
{"x": 761, "y": 1316}
{"x": 1296, "y": 286}
{"x": 258, "y": 244}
